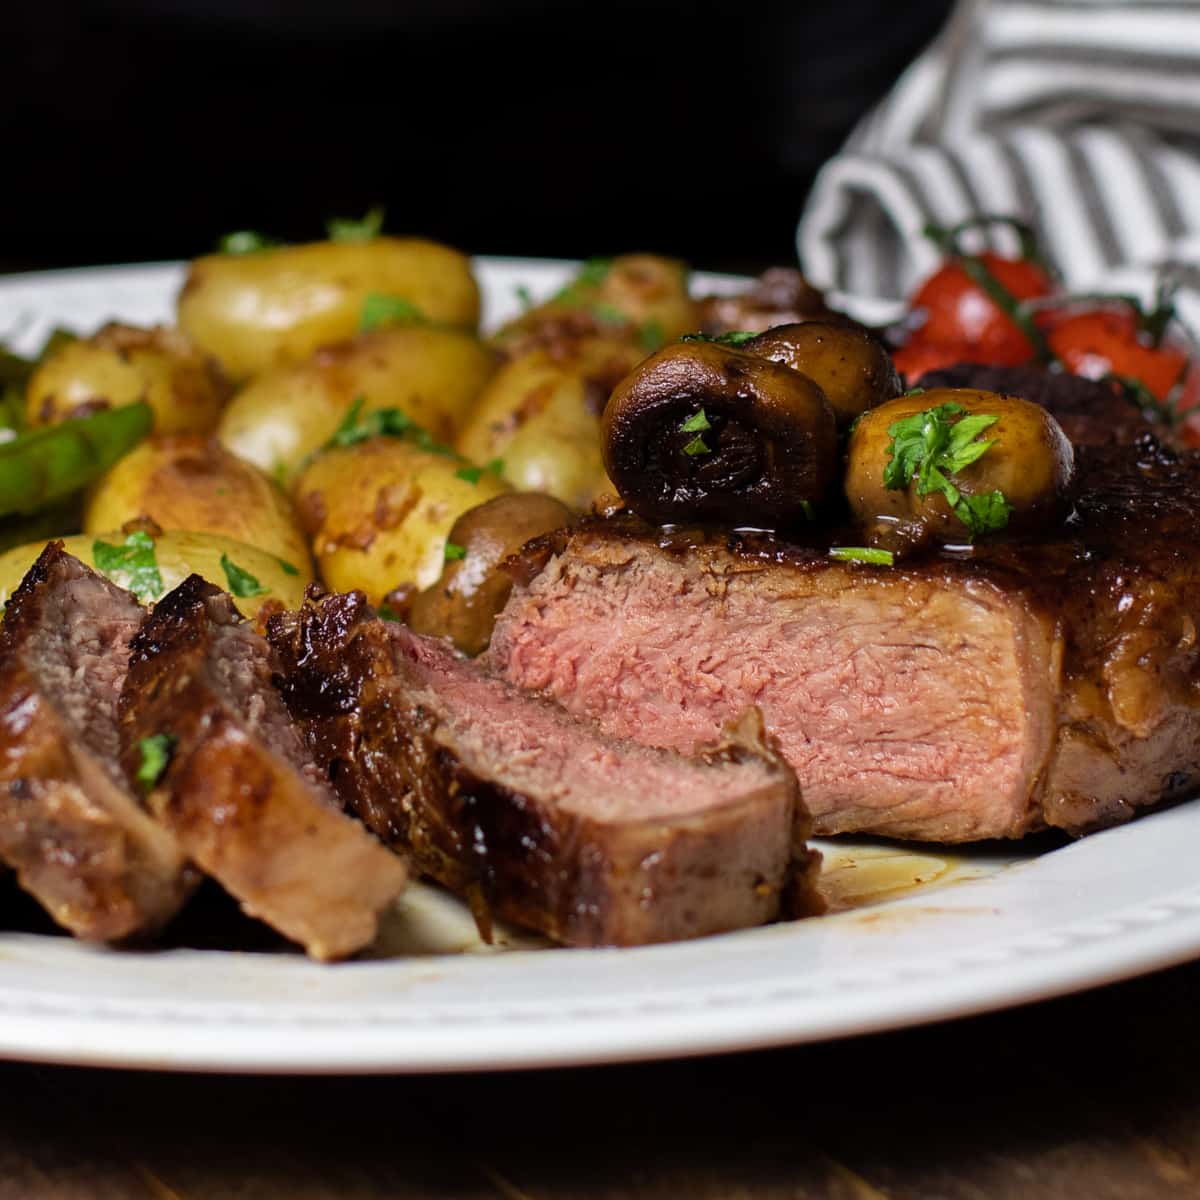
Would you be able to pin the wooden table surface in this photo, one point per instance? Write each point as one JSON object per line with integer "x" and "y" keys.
{"x": 1094, "y": 1097}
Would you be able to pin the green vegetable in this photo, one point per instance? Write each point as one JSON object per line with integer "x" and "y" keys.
{"x": 241, "y": 582}
{"x": 381, "y": 309}
{"x": 132, "y": 565}
{"x": 156, "y": 753}
{"x": 384, "y": 422}
{"x": 591, "y": 275}
{"x": 650, "y": 335}
{"x": 736, "y": 337}
{"x": 245, "y": 241}
{"x": 696, "y": 423}
{"x": 388, "y": 613}
{"x": 863, "y": 554}
{"x": 930, "y": 447}
{"x": 470, "y": 474}
{"x": 287, "y": 568}
{"x": 697, "y": 446}
{"x": 344, "y": 229}
{"x": 524, "y": 296}
{"x": 495, "y": 466}
{"x": 46, "y": 465}
{"x": 609, "y": 314}
{"x": 454, "y": 551}
{"x": 15, "y": 373}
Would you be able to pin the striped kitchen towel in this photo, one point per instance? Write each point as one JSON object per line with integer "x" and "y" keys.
{"x": 1081, "y": 116}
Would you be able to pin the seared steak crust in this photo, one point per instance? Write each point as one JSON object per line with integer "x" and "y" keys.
{"x": 490, "y": 791}
{"x": 955, "y": 696}
{"x": 240, "y": 791}
{"x": 70, "y": 827}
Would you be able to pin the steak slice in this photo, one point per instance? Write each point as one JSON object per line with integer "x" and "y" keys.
{"x": 240, "y": 792}
{"x": 955, "y": 696}
{"x": 77, "y": 837}
{"x": 532, "y": 815}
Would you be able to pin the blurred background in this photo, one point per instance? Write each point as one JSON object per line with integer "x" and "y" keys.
{"x": 138, "y": 129}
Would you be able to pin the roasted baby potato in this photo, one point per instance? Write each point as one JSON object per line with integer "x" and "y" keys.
{"x": 463, "y": 604}
{"x": 194, "y": 483}
{"x": 433, "y": 375}
{"x": 540, "y": 416}
{"x": 379, "y": 512}
{"x": 1027, "y": 469}
{"x": 178, "y": 554}
{"x": 639, "y": 298}
{"x": 121, "y": 364}
{"x": 256, "y": 311}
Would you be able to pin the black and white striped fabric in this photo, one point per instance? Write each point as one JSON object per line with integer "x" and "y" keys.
{"x": 1081, "y": 116}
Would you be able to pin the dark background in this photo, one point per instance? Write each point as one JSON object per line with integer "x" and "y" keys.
{"x": 137, "y": 129}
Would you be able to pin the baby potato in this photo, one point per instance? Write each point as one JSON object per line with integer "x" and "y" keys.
{"x": 463, "y": 604}
{"x": 1030, "y": 462}
{"x": 194, "y": 483}
{"x": 379, "y": 512}
{"x": 433, "y": 375}
{"x": 256, "y": 311}
{"x": 540, "y": 415}
{"x": 122, "y": 364}
{"x": 179, "y": 553}
{"x": 641, "y": 298}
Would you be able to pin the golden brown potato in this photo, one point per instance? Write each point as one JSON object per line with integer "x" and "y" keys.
{"x": 178, "y": 554}
{"x": 121, "y": 364}
{"x": 380, "y": 512}
{"x": 194, "y": 483}
{"x": 256, "y": 311}
{"x": 852, "y": 367}
{"x": 639, "y": 298}
{"x": 463, "y": 604}
{"x": 1030, "y": 463}
{"x": 432, "y": 375}
{"x": 540, "y": 415}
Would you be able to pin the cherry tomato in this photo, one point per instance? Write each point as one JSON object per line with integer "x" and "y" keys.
{"x": 958, "y": 310}
{"x": 1107, "y": 341}
{"x": 919, "y": 355}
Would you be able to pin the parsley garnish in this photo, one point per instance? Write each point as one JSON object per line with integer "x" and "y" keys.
{"x": 388, "y": 613}
{"x": 929, "y": 448}
{"x": 384, "y": 422}
{"x": 345, "y": 229}
{"x": 524, "y": 296}
{"x": 287, "y": 568}
{"x": 495, "y": 466}
{"x": 454, "y": 551}
{"x": 863, "y": 554}
{"x": 245, "y": 241}
{"x": 591, "y": 275}
{"x": 132, "y": 565}
{"x": 696, "y": 423}
{"x": 736, "y": 337}
{"x": 697, "y": 446}
{"x": 241, "y": 582}
{"x": 650, "y": 335}
{"x": 156, "y": 753}
{"x": 609, "y": 314}
{"x": 381, "y": 309}
{"x": 475, "y": 474}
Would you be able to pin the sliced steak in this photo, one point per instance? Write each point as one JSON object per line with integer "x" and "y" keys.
{"x": 70, "y": 827}
{"x": 240, "y": 792}
{"x": 532, "y": 815}
{"x": 955, "y": 696}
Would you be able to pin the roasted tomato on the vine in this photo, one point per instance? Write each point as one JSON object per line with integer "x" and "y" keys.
{"x": 916, "y": 357}
{"x": 959, "y": 311}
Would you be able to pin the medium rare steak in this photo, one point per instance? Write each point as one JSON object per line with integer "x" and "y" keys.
{"x": 240, "y": 792}
{"x": 76, "y": 835}
{"x": 532, "y": 815}
{"x": 955, "y": 696}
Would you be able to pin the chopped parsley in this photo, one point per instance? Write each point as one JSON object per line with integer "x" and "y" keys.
{"x": 735, "y": 337}
{"x": 346, "y": 229}
{"x": 156, "y": 753}
{"x": 650, "y": 335}
{"x": 287, "y": 568}
{"x": 132, "y": 565}
{"x": 381, "y": 309}
{"x": 929, "y": 447}
{"x": 591, "y": 275}
{"x": 696, "y": 423}
{"x": 454, "y": 551}
{"x": 245, "y": 241}
{"x": 388, "y": 613}
{"x": 863, "y": 554}
{"x": 241, "y": 583}
{"x": 475, "y": 474}
{"x": 697, "y": 446}
{"x": 524, "y": 296}
{"x": 609, "y": 314}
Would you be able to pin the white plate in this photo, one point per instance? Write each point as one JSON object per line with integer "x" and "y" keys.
{"x": 924, "y": 935}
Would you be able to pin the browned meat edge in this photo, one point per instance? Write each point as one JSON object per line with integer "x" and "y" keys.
{"x": 380, "y": 724}
{"x": 240, "y": 792}
{"x": 71, "y": 828}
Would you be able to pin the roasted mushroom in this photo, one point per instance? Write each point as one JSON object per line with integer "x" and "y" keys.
{"x": 463, "y": 604}
{"x": 701, "y": 431}
{"x": 953, "y": 464}
{"x": 850, "y": 366}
